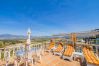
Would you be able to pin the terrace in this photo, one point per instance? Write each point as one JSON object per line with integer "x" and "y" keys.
{"x": 47, "y": 59}
{"x": 49, "y": 54}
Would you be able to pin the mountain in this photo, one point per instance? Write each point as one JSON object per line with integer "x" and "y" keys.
{"x": 66, "y": 35}
{"x": 10, "y": 36}
{"x": 81, "y": 34}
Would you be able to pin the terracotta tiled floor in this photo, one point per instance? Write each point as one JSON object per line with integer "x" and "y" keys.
{"x": 52, "y": 60}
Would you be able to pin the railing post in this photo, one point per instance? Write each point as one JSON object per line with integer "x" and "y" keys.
{"x": 15, "y": 63}
{"x": 9, "y": 53}
{"x": 4, "y": 53}
{"x": 32, "y": 61}
{"x": 26, "y": 63}
{"x": 97, "y": 48}
{"x": 0, "y": 53}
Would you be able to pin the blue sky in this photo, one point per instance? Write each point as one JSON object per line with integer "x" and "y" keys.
{"x": 47, "y": 17}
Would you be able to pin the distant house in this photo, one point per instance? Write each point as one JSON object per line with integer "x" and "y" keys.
{"x": 97, "y": 30}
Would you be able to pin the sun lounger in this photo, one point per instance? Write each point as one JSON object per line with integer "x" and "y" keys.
{"x": 68, "y": 53}
{"x": 59, "y": 50}
{"x": 51, "y": 46}
{"x": 91, "y": 58}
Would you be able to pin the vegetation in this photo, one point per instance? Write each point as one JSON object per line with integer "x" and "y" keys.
{"x": 40, "y": 39}
{"x": 2, "y": 55}
{"x": 4, "y": 43}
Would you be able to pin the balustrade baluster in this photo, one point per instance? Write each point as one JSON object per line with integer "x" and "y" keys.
{"x": 0, "y": 53}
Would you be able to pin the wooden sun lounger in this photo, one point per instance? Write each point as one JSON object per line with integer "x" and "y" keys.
{"x": 59, "y": 50}
{"x": 91, "y": 58}
{"x": 51, "y": 46}
{"x": 68, "y": 53}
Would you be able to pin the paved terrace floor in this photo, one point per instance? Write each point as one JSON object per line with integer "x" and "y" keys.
{"x": 49, "y": 59}
{"x": 52, "y": 60}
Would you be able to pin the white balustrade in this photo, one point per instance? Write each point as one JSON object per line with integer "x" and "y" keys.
{"x": 38, "y": 48}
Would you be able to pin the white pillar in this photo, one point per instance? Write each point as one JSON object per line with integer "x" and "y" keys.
{"x": 32, "y": 61}
{"x": 97, "y": 50}
{"x": 6, "y": 57}
{"x": 4, "y": 54}
{"x": 15, "y": 63}
{"x": 26, "y": 63}
{"x": 9, "y": 53}
{"x": 39, "y": 54}
{"x": 0, "y": 53}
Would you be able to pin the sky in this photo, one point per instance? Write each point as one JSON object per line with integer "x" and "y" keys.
{"x": 48, "y": 17}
